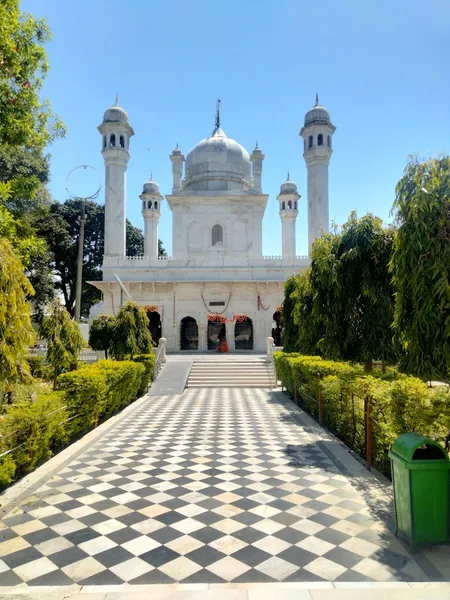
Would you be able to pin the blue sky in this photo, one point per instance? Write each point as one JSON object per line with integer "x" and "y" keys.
{"x": 381, "y": 69}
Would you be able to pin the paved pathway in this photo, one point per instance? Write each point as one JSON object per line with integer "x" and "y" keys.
{"x": 210, "y": 486}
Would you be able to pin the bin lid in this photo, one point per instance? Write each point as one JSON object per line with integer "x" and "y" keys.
{"x": 406, "y": 445}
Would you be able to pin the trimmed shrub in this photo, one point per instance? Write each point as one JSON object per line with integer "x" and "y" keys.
{"x": 100, "y": 390}
{"x": 38, "y": 368}
{"x": 399, "y": 403}
{"x": 35, "y": 428}
{"x": 148, "y": 360}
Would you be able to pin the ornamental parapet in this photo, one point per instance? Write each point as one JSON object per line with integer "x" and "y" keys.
{"x": 203, "y": 261}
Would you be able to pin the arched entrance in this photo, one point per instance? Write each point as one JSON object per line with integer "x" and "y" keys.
{"x": 216, "y": 331}
{"x": 243, "y": 334}
{"x": 155, "y": 325}
{"x": 188, "y": 334}
{"x": 276, "y": 327}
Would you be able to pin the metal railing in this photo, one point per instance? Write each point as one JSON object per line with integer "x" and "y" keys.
{"x": 362, "y": 406}
{"x": 160, "y": 357}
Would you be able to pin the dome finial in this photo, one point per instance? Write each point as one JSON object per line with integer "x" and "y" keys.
{"x": 317, "y": 99}
{"x": 217, "y": 114}
{"x": 287, "y": 178}
{"x": 256, "y": 147}
{"x": 117, "y": 99}
{"x": 151, "y": 175}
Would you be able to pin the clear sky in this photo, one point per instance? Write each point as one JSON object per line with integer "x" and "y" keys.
{"x": 380, "y": 67}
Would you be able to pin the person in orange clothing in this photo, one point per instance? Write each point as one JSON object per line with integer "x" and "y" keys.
{"x": 222, "y": 345}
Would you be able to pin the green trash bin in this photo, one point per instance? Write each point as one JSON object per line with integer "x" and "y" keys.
{"x": 420, "y": 474}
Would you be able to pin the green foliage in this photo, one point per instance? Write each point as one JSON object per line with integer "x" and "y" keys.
{"x": 60, "y": 228}
{"x": 420, "y": 268}
{"x": 16, "y": 332}
{"x": 101, "y": 333}
{"x": 289, "y": 340}
{"x": 100, "y": 390}
{"x": 132, "y": 333}
{"x": 148, "y": 360}
{"x": 64, "y": 339}
{"x": 342, "y": 307}
{"x": 32, "y": 425}
{"x": 24, "y": 118}
{"x": 399, "y": 403}
{"x": 38, "y": 368}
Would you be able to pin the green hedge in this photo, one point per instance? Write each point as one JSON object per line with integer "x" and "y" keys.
{"x": 41, "y": 422}
{"x": 400, "y": 403}
{"x": 38, "y": 368}
{"x": 34, "y": 427}
{"x": 100, "y": 390}
{"x": 148, "y": 360}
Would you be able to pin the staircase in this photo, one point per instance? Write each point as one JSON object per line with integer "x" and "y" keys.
{"x": 245, "y": 372}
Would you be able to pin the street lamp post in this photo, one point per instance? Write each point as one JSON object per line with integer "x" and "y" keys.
{"x": 79, "y": 282}
{"x": 80, "y": 261}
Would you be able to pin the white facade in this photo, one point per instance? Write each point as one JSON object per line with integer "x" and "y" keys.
{"x": 218, "y": 278}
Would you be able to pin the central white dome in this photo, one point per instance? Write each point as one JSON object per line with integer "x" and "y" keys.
{"x": 217, "y": 164}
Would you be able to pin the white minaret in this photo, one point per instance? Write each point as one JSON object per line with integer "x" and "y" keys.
{"x": 288, "y": 199}
{"x": 151, "y": 211}
{"x": 317, "y": 136}
{"x": 257, "y": 158}
{"x": 177, "y": 159}
{"x": 116, "y": 132}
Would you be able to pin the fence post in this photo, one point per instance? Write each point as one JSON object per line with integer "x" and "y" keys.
{"x": 369, "y": 429}
{"x": 320, "y": 407}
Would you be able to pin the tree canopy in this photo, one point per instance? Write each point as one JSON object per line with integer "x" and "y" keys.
{"x": 63, "y": 337}
{"x": 101, "y": 333}
{"x": 16, "y": 332}
{"x": 132, "y": 333}
{"x": 420, "y": 267}
{"x": 343, "y": 305}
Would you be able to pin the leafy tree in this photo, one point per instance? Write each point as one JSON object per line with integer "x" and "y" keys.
{"x": 25, "y": 119}
{"x": 60, "y": 229}
{"x": 16, "y": 332}
{"x": 343, "y": 305}
{"x": 101, "y": 333}
{"x": 420, "y": 267}
{"x": 161, "y": 249}
{"x": 290, "y": 332}
{"x": 64, "y": 340}
{"x": 131, "y": 333}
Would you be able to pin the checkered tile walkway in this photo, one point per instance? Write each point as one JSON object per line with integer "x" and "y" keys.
{"x": 211, "y": 486}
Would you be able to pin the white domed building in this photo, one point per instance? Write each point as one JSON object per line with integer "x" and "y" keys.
{"x": 217, "y": 279}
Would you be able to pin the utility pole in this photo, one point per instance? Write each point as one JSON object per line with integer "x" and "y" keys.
{"x": 80, "y": 261}
{"x": 83, "y": 198}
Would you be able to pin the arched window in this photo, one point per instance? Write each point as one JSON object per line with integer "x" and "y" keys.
{"x": 143, "y": 205}
{"x": 149, "y": 204}
{"x": 310, "y": 141}
{"x": 112, "y": 140}
{"x": 283, "y": 205}
{"x": 217, "y": 235}
{"x": 329, "y": 141}
{"x": 320, "y": 139}
{"x": 289, "y": 203}
{"x": 156, "y": 205}
{"x": 104, "y": 141}
{"x": 295, "y": 205}
{"x": 304, "y": 145}
{"x": 122, "y": 141}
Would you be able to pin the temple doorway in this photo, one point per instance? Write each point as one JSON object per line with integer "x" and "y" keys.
{"x": 215, "y": 332}
{"x": 243, "y": 334}
{"x": 276, "y": 328}
{"x": 188, "y": 334}
{"x": 155, "y": 326}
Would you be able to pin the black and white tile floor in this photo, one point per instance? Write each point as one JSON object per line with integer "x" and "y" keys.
{"x": 208, "y": 487}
